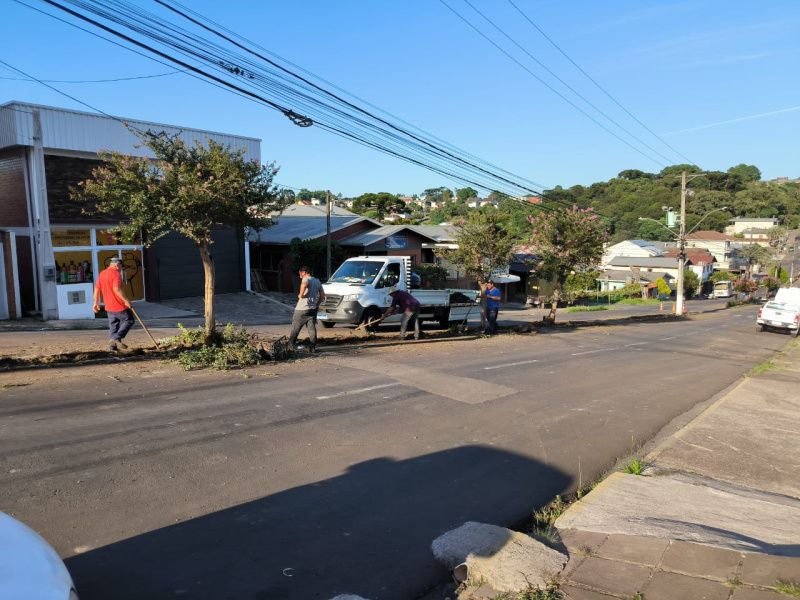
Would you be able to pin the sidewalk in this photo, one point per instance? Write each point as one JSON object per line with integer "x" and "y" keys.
{"x": 716, "y": 514}
{"x": 270, "y": 315}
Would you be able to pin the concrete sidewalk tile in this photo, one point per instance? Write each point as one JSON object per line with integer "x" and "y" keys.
{"x": 671, "y": 586}
{"x": 634, "y": 548}
{"x": 745, "y": 593}
{"x": 697, "y": 559}
{"x": 610, "y": 576}
{"x": 574, "y": 562}
{"x": 763, "y": 569}
{"x": 576, "y": 593}
{"x": 577, "y": 541}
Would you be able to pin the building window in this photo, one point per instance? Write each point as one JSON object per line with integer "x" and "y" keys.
{"x": 80, "y": 255}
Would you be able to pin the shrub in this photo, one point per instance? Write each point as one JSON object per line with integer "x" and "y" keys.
{"x": 232, "y": 350}
{"x": 663, "y": 287}
{"x": 431, "y": 276}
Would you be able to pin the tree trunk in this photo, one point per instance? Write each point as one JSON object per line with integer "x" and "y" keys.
{"x": 208, "y": 291}
{"x": 551, "y": 317}
{"x": 482, "y": 287}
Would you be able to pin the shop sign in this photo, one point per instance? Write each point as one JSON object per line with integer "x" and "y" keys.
{"x": 70, "y": 237}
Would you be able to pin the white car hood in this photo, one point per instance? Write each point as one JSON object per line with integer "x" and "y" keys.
{"x": 29, "y": 567}
{"x": 343, "y": 289}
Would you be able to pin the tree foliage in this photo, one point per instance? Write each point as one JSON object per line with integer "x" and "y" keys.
{"x": 185, "y": 189}
{"x": 484, "y": 245}
{"x": 691, "y": 283}
{"x": 314, "y": 254}
{"x": 377, "y": 205}
{"x": 566, "y": 240}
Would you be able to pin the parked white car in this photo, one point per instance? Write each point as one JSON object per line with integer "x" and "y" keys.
{"x": 29, "y": 567}
{"x": 781, "y": 313}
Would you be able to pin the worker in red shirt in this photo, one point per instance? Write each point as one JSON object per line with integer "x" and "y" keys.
{"x": 120, "y": 317}
{"x": 409, "y": 306}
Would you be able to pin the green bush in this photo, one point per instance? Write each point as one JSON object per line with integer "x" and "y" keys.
{"x": 663, "y": 287}
{"x": 231, "y": 351}
{"x": 431, "y": 276}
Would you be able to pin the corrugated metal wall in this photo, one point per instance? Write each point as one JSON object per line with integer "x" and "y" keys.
{"x": 78, "y": 131}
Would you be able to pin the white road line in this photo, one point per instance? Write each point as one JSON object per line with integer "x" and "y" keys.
{"x": 636, "y": 344}
{"x": 672, "y": 337}
{"x": 594, "y": 351}
{"x": 359, "y": 391}
{"x": 513, "y": 364}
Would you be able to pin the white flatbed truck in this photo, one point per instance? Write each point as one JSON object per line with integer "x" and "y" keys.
{"x": 358, "y": 292}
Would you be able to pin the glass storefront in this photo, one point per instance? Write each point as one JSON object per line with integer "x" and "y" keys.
{"x": 81, "y": 253}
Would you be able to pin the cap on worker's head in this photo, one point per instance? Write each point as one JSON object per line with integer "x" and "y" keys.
{"x": 116, "y": 260}
{"x": 393, "y": 289}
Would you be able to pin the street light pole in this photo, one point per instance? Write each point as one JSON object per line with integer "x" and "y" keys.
{"x": 328, "y": 233}
{"x": 679, "y": 300}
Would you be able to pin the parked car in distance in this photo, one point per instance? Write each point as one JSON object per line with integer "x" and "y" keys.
{"x": 723, "y": 289}
{"x": 783, "y": 312}
{"x": 29, "y": 567}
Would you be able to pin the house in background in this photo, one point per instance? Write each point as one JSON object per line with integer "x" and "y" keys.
{"x": 613, "y": 279}
{"x": 633, "y": 249}
{"x": 53, "y": 251}
{"x": 699, "y": 260}
{"x": 269, "y": 248}
{"x": 720, "y": 245}
{"x": 644, "y": 265}
{"x": 742, "y": 224}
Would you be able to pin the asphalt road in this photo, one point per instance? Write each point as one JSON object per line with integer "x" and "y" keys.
{"x": 334, "y": 474}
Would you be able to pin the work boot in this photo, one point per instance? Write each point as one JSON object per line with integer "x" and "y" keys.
{"x": 112, "y": 347}
{"x": 122, "y": 345}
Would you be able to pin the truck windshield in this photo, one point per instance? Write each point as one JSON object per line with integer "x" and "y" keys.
{"x": 360, "y": 272}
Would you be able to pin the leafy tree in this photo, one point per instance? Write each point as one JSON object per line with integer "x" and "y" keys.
{"x": 306, "y": 194}
{"x": 314, "y": 254}
{"x": 448, "y": 212}
{"x": 747, "y": 173}
{"x": 777, "y": 236}
{"x": 771, "y": 284}
{"x": 653, "y": 231}
{"x": 566, "y": 240}
{"x": 378, "y": 204}
{"x": 580, "y": 284}
{"x": 634, "y": 174}
{"x": 484, "y": 245}
{"x": 718, "y": 276}
{"x": 691, "y": 283}
{"x": 464, "y": 194}
{"x": 185, "y": 189}
{"x": 439, "y": 194}
{"x": 663, "y": 287}
{"x": 753, "y": 254}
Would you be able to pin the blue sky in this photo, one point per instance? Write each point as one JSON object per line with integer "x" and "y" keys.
{"x": 693, "y": 71}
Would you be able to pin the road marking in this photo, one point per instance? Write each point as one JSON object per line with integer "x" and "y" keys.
{"x": 594, "y": 351}
{"x": 672, "y": 337}
{"x": 513, "y": 364}
{"x": 359, "y": 391}
{"x": 636, "y": 344}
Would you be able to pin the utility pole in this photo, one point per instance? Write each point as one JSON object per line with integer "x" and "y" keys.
{"x": 681, "y": 248}
{"x": 328, "y": 233}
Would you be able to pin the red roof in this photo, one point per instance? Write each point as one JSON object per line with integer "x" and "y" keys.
{"x": 708, "y": 235}
{"x": 696, "y": 255}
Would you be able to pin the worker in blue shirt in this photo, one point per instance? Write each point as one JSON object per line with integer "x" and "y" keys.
{"x": 492, "y": 295}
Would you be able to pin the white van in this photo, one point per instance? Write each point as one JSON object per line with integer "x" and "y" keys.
{"x": 723, "y": 289}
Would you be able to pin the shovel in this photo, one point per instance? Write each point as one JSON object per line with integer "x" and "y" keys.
{"x": 138, "y": 318}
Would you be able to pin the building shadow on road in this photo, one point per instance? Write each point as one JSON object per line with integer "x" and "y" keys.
{"x": 367, "y": 531}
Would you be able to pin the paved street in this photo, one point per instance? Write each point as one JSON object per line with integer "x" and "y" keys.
{"x": 333, "y": 474}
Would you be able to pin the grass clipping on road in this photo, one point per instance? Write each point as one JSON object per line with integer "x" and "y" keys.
{"x": 233, "y": 348}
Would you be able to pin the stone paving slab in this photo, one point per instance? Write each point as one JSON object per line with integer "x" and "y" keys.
{"x": 672, "y": 586}
{"x": 701, "y": 561}
{"x": 576, "y": 593}
{"x": 609, "y": 575}
{"x": 754, "y": 594}
{"x": 758, "y": 569}
{"x": 689, "y": 509}
{"x": 628, "y": 548}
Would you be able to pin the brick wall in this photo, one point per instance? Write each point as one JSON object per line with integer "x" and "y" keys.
{"x": 13, "y": 200}
{"x": 63, "y": 173}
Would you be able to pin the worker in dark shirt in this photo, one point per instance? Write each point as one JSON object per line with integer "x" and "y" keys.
{"x": 409, "y": 306}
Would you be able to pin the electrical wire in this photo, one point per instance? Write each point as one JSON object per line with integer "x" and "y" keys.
{"x": 564, "y": 83}
{"x": 596, "y": 84}
{"x": 548, "y": 86}
{"x": 95, "y": 80}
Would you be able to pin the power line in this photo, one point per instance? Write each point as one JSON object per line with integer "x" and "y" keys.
{"x": 597, "y": 85}
{"x": 359, "y": 137}
{"x": 95, "y": 80}
{"x": 564, "y": 83}
{"x": 548, "y": 86}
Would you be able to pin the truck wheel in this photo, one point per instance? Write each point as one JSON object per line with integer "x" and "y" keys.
{"x": 444, "y": 320}
{"x": 372, "y": 313}
{"x": 327, "y": 324}
{"x": 761, "y": 328}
